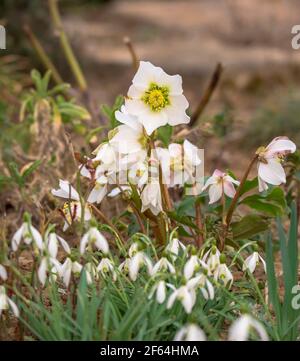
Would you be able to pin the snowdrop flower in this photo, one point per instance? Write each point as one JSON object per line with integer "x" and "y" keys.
{"x": 91, "y": 273}
{"x": 223, "y": 274}
{"x": 72, "y": 210}
{"x": 162, "y": 265}
{"x": 52, "y": 243}
{"x": 173, "y": 247}
{"x": 186, "y": 295}
{"x": 270, "y": 158}
{"x": 240, "y": 329}
{"x": 203, "y": 283}
{"x": 252, "y": 261}
{"x": 193, "y": 265}
{"x": 156, "y": 98}
{"x": 93, "y": 236}
{"x": 178, "y": 163}
{"x": 6, "y": 303}
{"x": 160, "y": 291}
{"x": 128, "y": 137}
{"x": 3, "y": 273}
{"x": 151, "y": 198}
{"x": 106, "y": 266}
{"x": 124, "y": 266}
{"x": 137, "y": 261}
{"x": 99, "y": 191}
{"x": 67, "y": 268}
{"x": 218, "y": 183}
{"x": 133, "y": 249}
{"x": 212, "y": 259}
{"x": 29, "y": 234}
{"x": 190, "y": 332}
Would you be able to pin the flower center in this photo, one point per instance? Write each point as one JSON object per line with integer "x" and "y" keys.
{"x": 157, "y": 97}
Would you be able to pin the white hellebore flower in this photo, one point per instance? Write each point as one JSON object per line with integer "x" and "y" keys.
{"x": 29, "y": 234}
{"x": 128, "y": 137}
{"x": 186, "y": 295}
{"x": 71, "y": 210}
{"x": 99, "y": 191}
{"x": 136, "y": 262}
{"x": 160, "y": 291}
{"x": 173, "y": 247}
{"x": 270, "y": 158}
{"x": 240, "y": 329}
{"x": 52, "y": 243}
{"x": 178, "y": 163}
{"x": 223, "y": 274}
{"x": 6, "y": 303}
{"x": 252, "y": 261}
{"x": 151, "y": 197}
{"x": 156, "y": 98}
{"x": 107, "y": 156}
{"x": 3, "y": 273}
{"x": 67, "y": 268}
{"x": 190, "y": 332}
{"x": 106, "y": 266}
{"x": 163, "y": 264}
{"x": 193, "y": 265}
{"x": 93, "y": 236}
{"x": 218, "y": 184}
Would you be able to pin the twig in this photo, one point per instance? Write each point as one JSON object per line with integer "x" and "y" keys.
{"x": 66, "y": 47}
{"x": 134, "y": 57}
{"x": 199, "y": 223}
{"x": 207, "y": 94}
{"x": 43, "y": 55}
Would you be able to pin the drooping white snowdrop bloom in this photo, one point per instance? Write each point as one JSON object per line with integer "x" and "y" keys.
{"x": 6, "y": 303}
{"x": 139, "y": 260}
{"x": 151, "y": 197}
{"x": 163, "y": 265}
{"x": 67, "y": 268}
{"x": 241, "y": 328}
{"x": 105, "y": 267}
{"x": 178, "y": 163}
{"x": 28, "y": 234}
{"x": 66, "y": 190}
{"x": 124, "y": 266}
{"x": 3, "y": 273}
{"x": 190, "y": 332}
{"x": 91, "y": 273}
{"x": 223, "y": 274}
{"x": 99, "y": 191}
{"x": 212, "y": 259}
{"x": 193, "y": 265}
{"x": 218, "y": 183}
{"x": 173, "y": 248}
{"x": 94, "y": 237}
{"x": 252, "y": 261}
{"x": 203, "y": 283}
{"x": 186, "y": 295}
{"x": 42, "y": 271}
{"x": 159, "y": 289}
{"x": 53, "y": 241}
{"x": 133, "y": 249}
{"x": 270, "y": 158}
{"x": 156, "y": 98}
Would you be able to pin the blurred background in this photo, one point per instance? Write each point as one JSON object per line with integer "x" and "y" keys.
{"x": 257, "y": 97}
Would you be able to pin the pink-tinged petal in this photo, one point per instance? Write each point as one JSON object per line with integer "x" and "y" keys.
{"x": 211, "y": 180}
{"x": 215, "y": 193}
{"x": 229, "y": 189}
{"x": 262, "y": 186}
{"x": 232, "y": 180}
{"x": 218, "y": 173}
{"x": 280, "y": 146}
{"x": 272, "y": 172}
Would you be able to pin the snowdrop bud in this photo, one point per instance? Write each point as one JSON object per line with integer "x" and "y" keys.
{"x": 3, "y": 273}
{"x": 240, "y": 329}
{"x": 190, "y": 332}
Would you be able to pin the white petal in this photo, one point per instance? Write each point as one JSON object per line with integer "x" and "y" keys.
{"x": 42, "y": 271}
{"x": 215, "y": 193}
{"x": 13, "y": 307}
{"x": 272, "y": 172}
{"x": 3, "y": 273}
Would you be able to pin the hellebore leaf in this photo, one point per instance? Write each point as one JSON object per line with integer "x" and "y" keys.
{"x": 249, "y": 226}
